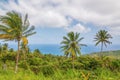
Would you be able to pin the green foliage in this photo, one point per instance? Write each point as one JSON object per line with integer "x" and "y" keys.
{"x": 47, "y": 70}
{"x": 35, "y": 61}
{"x": 35, "y": 69}
{"x": 78, "y": 65}
{"x": 115, "y": 54}
{"x": 89, "y": 63}
{"x": 99, "y": 74}
{"x": 115, "y": 65}
{"x": 38, "y": 66}
{"x": 24, "y": 65}
{"x": 71, "y": 45}
{"x": 102, "y": 37}
{"x": 67, "y": 64}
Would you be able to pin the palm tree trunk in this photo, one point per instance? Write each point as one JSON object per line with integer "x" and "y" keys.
{"x": 24, "y": 55}
{"x": 73, "y": 62}
{"x": 101, "y": 49}
{"x": 17, "y": 57}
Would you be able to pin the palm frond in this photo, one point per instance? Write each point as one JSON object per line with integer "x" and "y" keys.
{"x": 80, "y": 39}
{"x": 32, "y": 28}
{"x": 102, "y": 37}
{"x": 32, "y": 33}
{"x": 5, "y": 36}
{"x": 71, "y": 44}
{"x": 65, "y": 38}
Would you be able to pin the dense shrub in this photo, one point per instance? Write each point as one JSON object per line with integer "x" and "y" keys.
{"x": 78, "y": 65}
{"x": 94, "y": 64}
{"x": 67, "y": 64}
{"x": 24, "y": 65}
{"x": 35, "y": 69}
{"x": 35, "y": 61}
{"x": 115, "y": 65}
{"x": 47, "y": 70}
{"x": 89, "y": 63}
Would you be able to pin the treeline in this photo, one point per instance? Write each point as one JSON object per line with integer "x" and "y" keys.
{"x": 47, "y": 63}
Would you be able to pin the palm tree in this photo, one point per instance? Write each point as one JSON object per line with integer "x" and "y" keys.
{"x": 102, "y": 37}
{"x": 14, "y": 27}
{"x": 71, "y": 45}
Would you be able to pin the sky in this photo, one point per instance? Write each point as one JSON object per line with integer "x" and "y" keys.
{"x": 53, "y": 19}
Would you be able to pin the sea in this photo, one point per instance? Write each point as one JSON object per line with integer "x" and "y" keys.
{"x": 55, "y": 48}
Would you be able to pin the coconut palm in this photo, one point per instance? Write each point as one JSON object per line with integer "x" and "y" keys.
{"x": 16, "y": 28}
{"x": 102, "y": 37}
{"x": 71, "y": 45}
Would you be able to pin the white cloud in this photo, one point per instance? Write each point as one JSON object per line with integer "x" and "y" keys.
{"x": 78, "y": 28}
{"x": 39, "y": 15}
{"x": 52, "y": 13}
{"x": 49, "y": 19}
{"x": 115, "y": 31}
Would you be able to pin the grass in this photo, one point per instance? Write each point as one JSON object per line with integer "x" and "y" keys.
{"x": 99, "y": 74}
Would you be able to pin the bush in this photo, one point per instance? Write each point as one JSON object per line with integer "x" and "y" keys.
{"x": 24, "y": 65}
{"x": 35, "y": 69}
{"x": 47, "y": 70}
{"x": 94, "y": 64}
{"x": 115, "y": 65}
{"x": 35, "y": 61}
{"x": 67, "y": 64}
{"x": 89, "y": 62}
{"x": 78, "y": 65}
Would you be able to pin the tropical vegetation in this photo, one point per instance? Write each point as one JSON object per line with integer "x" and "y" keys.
{"x": 39, "y": 66}
{"x": 35, "y": 65}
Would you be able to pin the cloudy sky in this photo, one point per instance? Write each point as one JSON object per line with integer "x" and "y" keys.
{"x": 54, "y": 18}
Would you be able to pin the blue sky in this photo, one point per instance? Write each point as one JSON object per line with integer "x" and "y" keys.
{"x": 53, "y": 19}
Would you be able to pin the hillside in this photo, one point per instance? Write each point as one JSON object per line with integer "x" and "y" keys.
{"x": 115, "y": 53}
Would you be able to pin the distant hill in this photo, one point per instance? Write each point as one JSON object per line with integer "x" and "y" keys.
{"x": 115, "y": 53}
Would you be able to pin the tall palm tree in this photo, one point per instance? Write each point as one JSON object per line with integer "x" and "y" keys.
{"x": 102, "y": 37}
{"x": 14, "y": 27}
{"x": 71, "y": 45}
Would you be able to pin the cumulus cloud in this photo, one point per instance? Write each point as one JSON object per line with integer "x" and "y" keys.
{"x": 78, "y": 28}
{"x": 53, "y": 13}
{"x": 115, "y": 31}
{"x": 38, "y": 15}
